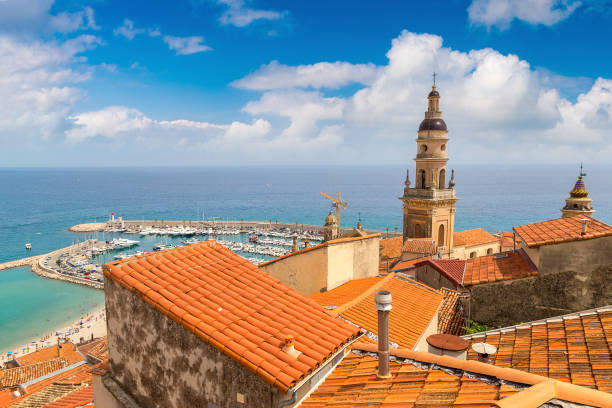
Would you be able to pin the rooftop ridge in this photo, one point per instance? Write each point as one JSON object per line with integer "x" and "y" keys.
{"x": 363, "y": 295}
{"x": 551, "y": 319}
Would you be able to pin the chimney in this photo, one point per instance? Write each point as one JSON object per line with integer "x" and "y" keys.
{"x": 585, "y": 224}
{"x": 383, "y": 305}
{"x": 289, "y": 346}
{"x": 484, "y": 350}
{"x": 294, "y": 245}
{"x": 60, "y": 352}
{"x": 448, "y": 345}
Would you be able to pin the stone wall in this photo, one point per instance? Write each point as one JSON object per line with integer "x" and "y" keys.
{"x": 161, "y": 364}
{"x": 305, "y": 272}
{"x": 515, "y": 301}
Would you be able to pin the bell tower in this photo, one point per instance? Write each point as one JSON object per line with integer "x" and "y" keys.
{"x": 429, "y": 206}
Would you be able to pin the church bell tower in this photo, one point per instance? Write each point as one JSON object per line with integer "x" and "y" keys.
{"x": 429, "y": 206}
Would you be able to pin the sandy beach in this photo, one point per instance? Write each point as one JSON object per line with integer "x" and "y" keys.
{"x": 92, "y": 323}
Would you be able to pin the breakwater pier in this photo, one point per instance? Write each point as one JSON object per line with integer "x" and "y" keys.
{"x": 43, "y": 265}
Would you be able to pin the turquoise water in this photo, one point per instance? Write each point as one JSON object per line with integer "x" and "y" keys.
{"x": 42, "y": 305}
{"x": 38, "y": 205}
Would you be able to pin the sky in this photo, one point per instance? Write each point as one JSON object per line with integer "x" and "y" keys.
{"x": 233, "y": 82}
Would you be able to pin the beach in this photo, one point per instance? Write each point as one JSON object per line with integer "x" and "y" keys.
{"x": 92, "y": 323}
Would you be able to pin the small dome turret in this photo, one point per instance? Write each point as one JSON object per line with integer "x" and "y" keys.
{"x": 330, "y": 219}
{"x": 579, "y": 190}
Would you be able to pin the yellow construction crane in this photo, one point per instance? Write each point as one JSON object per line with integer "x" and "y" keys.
{"x": 338, "y": 205}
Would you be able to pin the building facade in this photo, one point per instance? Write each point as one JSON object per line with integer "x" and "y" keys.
{"x": 429, "y": 206}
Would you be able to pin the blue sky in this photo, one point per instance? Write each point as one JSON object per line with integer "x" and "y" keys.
{"x": 236, "y": 81}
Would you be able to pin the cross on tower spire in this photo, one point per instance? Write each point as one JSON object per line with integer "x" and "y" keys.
{"x": 434, "y": 77}
{"x": 582, "y": 174}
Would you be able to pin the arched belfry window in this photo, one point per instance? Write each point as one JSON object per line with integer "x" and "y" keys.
{"x": 441, "y": 235}
{"x": 422, "y": 177}
{"x": 442, "y": 179}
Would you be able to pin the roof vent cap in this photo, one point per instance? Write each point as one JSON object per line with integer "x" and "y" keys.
{"x": 448, "y": 345}
{"x": 484, "y": 350}
{"x": 383, "y": 300}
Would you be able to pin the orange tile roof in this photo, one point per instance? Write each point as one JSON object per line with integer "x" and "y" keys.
{"x": 498, "y": 267}
{"x": 48, "y": 353}
{"x": 451, "y": 317}
{"x": 345, "y": 293}
{"x": 403, "y": 265}
{"x": 414, "y": 306}
{"x": 453, "y": 269}
{"x": 79, "y": 398}
{"x": 473, "y": 237}
{"x": 391, "y": 248}
{"x": 11, "y": 377}
{"x": 238, "y": 309}
{"x": 575, "y": 348}
{"x": 507, "y": 240}
{"x": 48, "y": 389}
{"x": 97, "y": 350}
{"x": 561, "y": 230}
{"x": 426, "y": 246}
{"x": 428, "y": 380}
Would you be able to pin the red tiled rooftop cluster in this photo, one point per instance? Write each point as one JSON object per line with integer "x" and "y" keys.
{"x": 575, "y": 348}
{"x": 425, "y": 246}
{"x": 473, "y": 237}
{"x": 498, "y": 267}
{"x": 238, "y": 309}
{"x": 391, "y": 248}
{"x": 453, "y": 269}
{"x": 561, "y": 230}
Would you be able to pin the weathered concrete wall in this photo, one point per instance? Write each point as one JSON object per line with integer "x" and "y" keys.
{"x": 431, "y": 277}
{"x": 512, "y": 302}
{"x": 352, "y": 260}
{"x": 161, "y": 364}
{"x": 463, "y": 252}
{"x": 581, "y": 256}
{"x": 305, "y": 272}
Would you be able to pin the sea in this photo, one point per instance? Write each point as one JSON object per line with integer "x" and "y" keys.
{"x": 38, "y": 205}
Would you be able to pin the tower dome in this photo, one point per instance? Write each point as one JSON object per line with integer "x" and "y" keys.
{"x": 578, "y": 203}
{"x": 330, "y": 219}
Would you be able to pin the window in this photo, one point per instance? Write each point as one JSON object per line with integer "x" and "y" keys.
{"x": 422, "y": 172}
{"x": 442, "y": 178}
{"x": 489, "y": 251}
{"x": 473, "y": 254}
{"x": 443, "y": 147}
{"x": 423, "y": 148}
{"x": 441, "y": 235}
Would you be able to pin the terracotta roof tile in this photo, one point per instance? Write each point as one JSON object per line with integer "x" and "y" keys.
{"x": 428, "y": 380}
{"x": 238, "y": 309}
{"x": 79, "y": 398}
{"x": 473, "y": 237}
{"x": 561, "y": 230}
{"x": 414, "y": 306}
{"x": 498, "y": 267}
{"x": 404, "y": 265}
{"x": 11, "y": 377}
{"x": 391, "y": 248}
{"x": 426, "y": 246}
{"x": 574, "y": 348}
{"x": 344, "y": 293}
{"x": 451, "y": 317}
{"x": 49, "y": 353}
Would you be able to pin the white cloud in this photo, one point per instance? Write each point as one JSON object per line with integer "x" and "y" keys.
{"x": 240, "y": 16}
{"x": 128, "y": 30}
{"x": 186, "y": 45}
{"x": 68, "y": 22}
{"x": 34, "y": 16}
{"x": 321, "y": 75}
{"x": 37, "y": 86}
{"x": 500, "y": 13}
